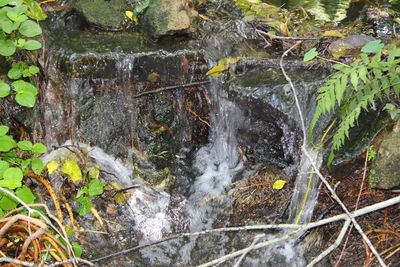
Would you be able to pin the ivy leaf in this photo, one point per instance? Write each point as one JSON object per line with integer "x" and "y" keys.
{"x": 33, "y": 70}
{"x": 310, "y": 55}
{"x": 95, "y": 187}
{"x": 4, "y": 165}
{"x": 3, "y": 130}
{"x": 32, "y": 45}
{"x": 52, "y": 166}
{"x": 25, "y": 99}
{"x": 4, "y": 89}
{"x": 279, "y": 184}
{"x": 86, "y": 205}
{"x": 25, "y": 194}
{"x": 39, "y": 148}
{"x": 25, "y": 145}
{"x": 72, "y": 169}
{"x": 372, "y": 47}
{"x": 7, "y": 203}
{"x": 37, "y": 166}
{"x": 30, "y": 28}
{"x": 6, "y": 143}
{"x": 21, "y": 86}
{"x": 12, "y": 178}
{"x": 7, "y": 48}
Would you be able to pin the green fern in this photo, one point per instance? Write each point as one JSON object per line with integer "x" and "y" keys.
{"x": 355, "y": 88}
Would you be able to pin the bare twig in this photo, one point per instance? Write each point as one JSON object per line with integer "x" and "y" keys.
{"x": 70, "y": 260}
{"x": 256, "y": 238}
{"x": 15, "y": 261}
{"x": 171, "y": 88}
{"x": 273, "y": 36}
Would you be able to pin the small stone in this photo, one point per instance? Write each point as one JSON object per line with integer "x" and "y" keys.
{"x": 167, "y": 17}
{"x": 349, "y": 46}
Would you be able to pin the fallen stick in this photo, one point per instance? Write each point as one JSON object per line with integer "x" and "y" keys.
{"x": 162, "y": 89}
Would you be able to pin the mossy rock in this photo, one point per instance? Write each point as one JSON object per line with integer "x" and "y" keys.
{"x": 166, "y": 17}
{"x": 106, "y": 15}
{"x": 385, "y": 173}
{"x": 350, "y": 45}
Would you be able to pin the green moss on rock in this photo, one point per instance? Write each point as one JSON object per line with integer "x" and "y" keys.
{"x": 385, "y": 173}
{"x": 107, "y": 15}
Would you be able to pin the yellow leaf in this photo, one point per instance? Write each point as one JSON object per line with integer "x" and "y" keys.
{"x": 279, "y": 184}
{"x": 283, "y": 27}
{"x": 72, "y": 169}
{"x": 129, "y": 14}
{"x": 216, "y": 71}
{"x": 153, "y": 77}
{"x": 52, "y": 166}
{"x": 204, "y": 17}
{"x": 333, "y": 33}
{"x": 94, "y": 172}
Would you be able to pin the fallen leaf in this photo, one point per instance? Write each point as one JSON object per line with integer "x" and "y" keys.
{"x": 279, "y": 184}
{"x": 333, "y": 33}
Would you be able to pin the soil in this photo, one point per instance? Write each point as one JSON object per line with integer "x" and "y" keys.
{"x": 382, "y": 227}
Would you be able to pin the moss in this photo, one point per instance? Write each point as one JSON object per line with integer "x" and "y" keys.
{"x": 104, "y": 14}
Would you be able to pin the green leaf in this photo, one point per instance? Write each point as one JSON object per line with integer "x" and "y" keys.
{"x": 4, "y": 89}
{"x": 25, "y": 165}
{"x": 35, "y": 11}
{"x": 86, "y": 205}
{"x": 3, "y": 130}
{"x": 77, "y": 249}
{"x": 39, "y": 148}
{"x": 25, "y": 145}
{"x": 20, "y": 42}
{"x": 7, "y": 203}
{"x": 32, "y": 45}
{"x": 310, "y": 55}
{"x": 7, "y": 48}
{"x": 16, "y": 71}
{"x": 25, "y": 194}
{"x": 37, "y": 166}
{"x": 12, "y": 178}
{"x": 33, "y": 70}
{"x": 4, "y": 2}
{"x": 139, "y": 9}
{"x": 1, "y": 213}
{"x": 82, "y": 191}
{"x": 4, "y": 165}
{"x": 354, "y": 78}
{"x": 21, "y": 86}
{"x": 372, "y": 47}
{"x": 15, "y": 2}
{"x": 71, "y": 168}
{"x": 95, "y": 187}
{"x": 6, "y": 143}
{"x": 15, "y": 17}
{"x": 25, "y": 99}
{"x": 30, "y": 28}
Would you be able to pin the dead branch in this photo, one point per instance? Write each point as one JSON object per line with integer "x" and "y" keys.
{"x": 15, "y": 261}
{"x": 173, "y": 87}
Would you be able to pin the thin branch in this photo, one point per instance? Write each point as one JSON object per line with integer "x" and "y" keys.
{"x": 273, "y": 36}
{"x": 256, "y": 238}
{"x": 15, "y": 261}
{"x": 171, "y": 88}
{"x": 71, "y": 260}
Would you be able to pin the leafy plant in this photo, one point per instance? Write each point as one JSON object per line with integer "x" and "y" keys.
{"x": 16, "y": 159}
{"x": 140, "y": 8}
{"x": 17, "y": 27}
{"x": 356, "y": 87}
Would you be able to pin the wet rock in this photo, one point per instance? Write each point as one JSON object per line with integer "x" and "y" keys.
{"x": 106, "y": 15}
{"x": 349, "y": 46}
{"x": 164, "y": 17}
{"x": 381, "y": 21}
{"x": 385, "y": 173}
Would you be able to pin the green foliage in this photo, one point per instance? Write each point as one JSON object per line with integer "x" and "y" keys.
{"x": 371, "y": 153}
{"x": 354, "y": 88}
{"x": 16, "y": 25}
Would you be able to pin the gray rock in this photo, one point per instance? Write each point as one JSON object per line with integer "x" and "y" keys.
{"x": 106, "y": 15}
{"x": 349, "y": 46}
{"x": 385, "y": 172}
{"x": 167, "y": 17}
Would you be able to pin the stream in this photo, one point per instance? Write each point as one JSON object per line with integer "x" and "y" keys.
{"x": 185, "y": 150}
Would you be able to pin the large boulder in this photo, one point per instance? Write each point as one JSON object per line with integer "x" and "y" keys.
{"x": 349, "y": 46}
{"x": 385, "y": 173}
{"x": 104, "y": 14}
{"x": 167, "y": 17}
